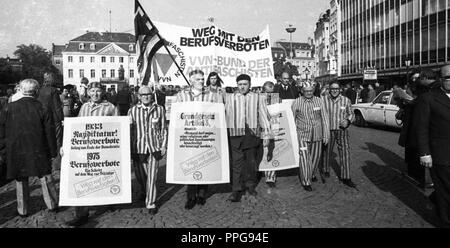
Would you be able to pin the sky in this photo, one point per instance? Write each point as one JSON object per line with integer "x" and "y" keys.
{"x": 44, "y": 22}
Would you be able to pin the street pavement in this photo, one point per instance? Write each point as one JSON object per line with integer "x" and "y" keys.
{"x": 384, "y": 197}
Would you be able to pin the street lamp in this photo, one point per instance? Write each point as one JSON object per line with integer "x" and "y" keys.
{"x": 291, "y": 30}
{"x": 407, "y": 63}
{"x": 306, "y": 72}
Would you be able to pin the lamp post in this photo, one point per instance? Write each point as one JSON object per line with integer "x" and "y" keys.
{"x": 407, "y": 63}
{"x": 291, "y": 30}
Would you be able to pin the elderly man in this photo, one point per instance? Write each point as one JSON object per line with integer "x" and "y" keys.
{"x": 149, "y": 143}
{"x": 27, "y": 135}
{"x": 432, "y": 115}
{"x": 286, "y": 89}
{"x": 196, "y": 194}
{"x": 95, "y": 107}
{"x": 248, "y": 123}
{"x": 340, "y": 116}
{"x": 311, "y": 119}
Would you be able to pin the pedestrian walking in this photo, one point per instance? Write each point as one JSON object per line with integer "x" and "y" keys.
{"x": 149, "y": 144}
{"x": 196, "y": 194}
{"x": 311, "y": 119}
{"x": 248, "y": 123}
{"x": 28, "y": 140}
{"x": 340, "y": 115}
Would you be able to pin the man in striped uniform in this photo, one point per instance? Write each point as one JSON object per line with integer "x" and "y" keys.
{"x": 248, "y": 123}
{"x": 148, "y": 143}
{"x": 340, "y": 117}
{"x": 95, "y": 107}
{"x": 311, "y": 119}
{"x": 196, "y": 194}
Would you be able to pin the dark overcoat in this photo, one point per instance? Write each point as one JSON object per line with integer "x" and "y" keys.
{"x": 27, "y": 138}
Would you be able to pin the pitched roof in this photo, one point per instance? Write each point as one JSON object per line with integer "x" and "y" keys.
{"x": 106, "y": 37}
{"x": 295, "y": 45}
{"x": 74, "y": 47}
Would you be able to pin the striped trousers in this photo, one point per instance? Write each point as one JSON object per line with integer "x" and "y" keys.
{"x": 341, "y": 138}
{"x": 310, "y": 153}
{"x": 48, "y": 192}
{"x": 271, "y": 176}
{"x": 146, "y": 170}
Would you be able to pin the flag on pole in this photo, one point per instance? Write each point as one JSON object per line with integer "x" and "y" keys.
{"x": 148, "y": 42}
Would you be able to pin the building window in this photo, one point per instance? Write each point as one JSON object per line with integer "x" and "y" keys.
{"x": 131, "y": 60}
{"x": 112, "y": 60}
{"x": 120, "y": 59}
{"x": 70, "y": 73}
{"x": 58, "y": 62}
{"x": 92, "y": 73}
{"x": 92, "y": 59}
{"x": 81, "y": 73}
{"x": 103, "y": 59}
{"x": 113, "y": 73}
{"x": 92, "y": 46}
{"x": 131, "y": 47}
{"x": 81, "y": 59}
{"x": 70, "y": 59}
{"x": 103, "y": 73}
{"x": 131, "y": 73}
{"x": 81, "y": 46}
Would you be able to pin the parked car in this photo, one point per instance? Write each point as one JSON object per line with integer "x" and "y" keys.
{"x": 381, "y": 111}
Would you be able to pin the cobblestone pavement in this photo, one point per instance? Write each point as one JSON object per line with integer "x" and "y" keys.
{"x": 384, "y": 198}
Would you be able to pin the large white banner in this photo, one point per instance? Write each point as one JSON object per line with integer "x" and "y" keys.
{"x": 198, "y": 144}
{"x": 95, "y": 167}
{"x": 286, "y": 151}
{"x": 213, "y": 49}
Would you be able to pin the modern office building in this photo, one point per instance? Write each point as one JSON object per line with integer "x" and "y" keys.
{"x": 384, "y": 34}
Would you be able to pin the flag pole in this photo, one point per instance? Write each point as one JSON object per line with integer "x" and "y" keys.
{"x": 157, "y": 33}
{"x": 156, "y": 76}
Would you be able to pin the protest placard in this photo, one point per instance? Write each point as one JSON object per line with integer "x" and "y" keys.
{"x": 95, "y": 167}
{"x": 285, "y": 154}
{"x": 168, "y": 105}
{"x": 198, "y": 144}
{"x": 211, "y": 49}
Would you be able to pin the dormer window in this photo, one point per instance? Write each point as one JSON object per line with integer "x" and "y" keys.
{"x": 130, "y": 47}
{"x": 81, "y": 46}
{"x": 92, "y": 46}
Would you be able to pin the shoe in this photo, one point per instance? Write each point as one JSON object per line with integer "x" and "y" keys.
{"x": 22, "y": 215}
{"x": 327, "y": 174}
{"x": 252, "y": 191}
{"x": 77, "y": 222}
{"x": 349, "y": 183}
{"x": 271, "y": 184}
{"x": 429, "y": 185}
{"x": 201, "y": 201}
{"x": 314, "y": 179}
{"x": 235, "y": 196}
{"x": 190, "y": 204}
{"x": 55, "y": 210}
{"x": 153, "y": 211}
{"x": 308, "y": 188}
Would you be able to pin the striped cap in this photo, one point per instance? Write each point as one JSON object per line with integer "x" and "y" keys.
{"x": 308, "y": 84}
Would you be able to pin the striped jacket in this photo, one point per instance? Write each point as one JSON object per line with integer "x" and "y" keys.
{"x": 104, "y": 108}
{"x": 248, "y": 109}
{"x": 311, "y": 119}
{"x": 148, "y": 128}
{"x": 338, "y": 109}
{"x": 206, "y": 96}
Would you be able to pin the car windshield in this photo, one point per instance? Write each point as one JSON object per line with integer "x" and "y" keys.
{"x": 383, "y": 98}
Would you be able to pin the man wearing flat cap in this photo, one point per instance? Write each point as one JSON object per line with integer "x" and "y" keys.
{"x": 311, "y": 119}
{"x": 248, "y": 123}
{"x": 27, "y": 138}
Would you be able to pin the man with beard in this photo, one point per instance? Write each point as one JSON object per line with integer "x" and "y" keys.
{"x": 340, "y": 116}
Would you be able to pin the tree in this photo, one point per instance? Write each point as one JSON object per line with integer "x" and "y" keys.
{"x": 36, "y": 60}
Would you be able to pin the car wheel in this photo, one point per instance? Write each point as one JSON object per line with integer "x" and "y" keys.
{"x": 359, "y": 120}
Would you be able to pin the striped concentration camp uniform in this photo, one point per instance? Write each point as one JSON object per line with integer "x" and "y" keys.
{"x": 148, "y": 135}
{"x": 206, "y": 96}
{"x": 272, "y": 98}
{"x": 247, "y": 122}
{"x": 311, "y": 119}
{"x": 338, "y": 109}
{"x": 90, "y": 108}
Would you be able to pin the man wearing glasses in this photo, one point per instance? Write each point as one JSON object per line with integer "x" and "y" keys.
{"x": 432, "y": 115}
{"x": 148, "y": 143}
{"x": 311, "y": 119}
{"x": 340, "y": 116}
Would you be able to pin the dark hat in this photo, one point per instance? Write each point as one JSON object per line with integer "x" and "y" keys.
{"x": 243, "y": 77}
